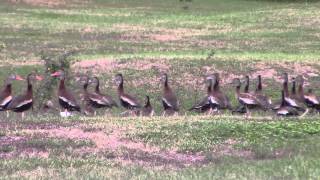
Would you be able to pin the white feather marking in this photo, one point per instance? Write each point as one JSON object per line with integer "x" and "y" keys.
{"x": 213, "y": 100}
{"x": 99, "y": 101}
{"x": 106, "y": 100}
{"x": 128, "y": 100}
{"x": 283, "y": 112}
{"x": 165, "y": 100}
{"x": 6, "y": 100}
{"x": 291, "y": 102}
{"x": 65, "y": 114}
{"x": 67, "y": 101}
{"x": 247, "y": 100}
{"x": 24, "y": 103}
{"x": 312, "y": 99}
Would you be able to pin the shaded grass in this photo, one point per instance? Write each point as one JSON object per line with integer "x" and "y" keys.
{"x": 203, "y": 135}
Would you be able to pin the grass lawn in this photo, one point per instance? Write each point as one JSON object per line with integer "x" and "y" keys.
{"x": 142, "y": 39}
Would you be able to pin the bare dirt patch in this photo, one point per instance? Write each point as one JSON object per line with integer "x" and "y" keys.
{"x": 20, "y": 63}
{"x": 227, "y": 149}
{"x": 49, "y": 3}
{"x": 110, "y": 65}
{"x": 135, "y": 152}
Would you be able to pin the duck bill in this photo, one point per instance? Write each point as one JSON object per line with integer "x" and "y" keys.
{"x": 19, "y": 78}
{"x": 39, "y": 78}
{"x": 55, "y": 74}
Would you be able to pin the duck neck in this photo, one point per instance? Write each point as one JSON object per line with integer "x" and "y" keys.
{"x": 283, "y": 102}
{"x": 29, "y": 84}
{"x": 259, "y": 87}
{"x": 8, "y": 88}
{"x": 61, "y": 85}
{"x": 120, "y": 87}
{"x": 166, "y": 84}
{"x": 216, "y": 86}
{"x": 97, "y": 89}
{"x": 285, "y": 88}
{"x": 85, "y": 87}
{"x": 148, "y": 102}
{"x": 209, "y": 90}
{"x": 246, "y": 88}
{"x": 300, "y": 89}
{"x": 238, "y": 90}
{"x": 293, "y": 90}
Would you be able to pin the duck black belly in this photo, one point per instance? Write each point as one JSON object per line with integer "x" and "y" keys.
{"x": 23, "y": 108}
{"x": 67, "y": 106}
{"x": 165, "y": 105}
{"x": 4, "y": 107}
{"x": 127, "y": 105}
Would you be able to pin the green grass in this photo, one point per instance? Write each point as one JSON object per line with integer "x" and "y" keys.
{"x": 176, "y": 37}
{"x": 294, "y": 139}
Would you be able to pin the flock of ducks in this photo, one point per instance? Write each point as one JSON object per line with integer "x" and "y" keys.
{"x": 294, "y": 103}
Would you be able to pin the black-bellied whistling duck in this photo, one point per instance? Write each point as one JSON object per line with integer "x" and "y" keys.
{"x": 285, "y": 109}
{"x": 247, "y": 84}
{"x": 24, "y": 102}
{"x": 247, "y": 100}
{"x": 259, "y": 85}
{"x": 290, "y": 100}
{"x": 6, "y": 92}
{"x": 99, "y": 100}
{"x": 87, "y": 107}
{"x": 218, "y": 98}
{"x": 66, "y": 99}
{"x": 169, "y": 99}
{"x": 126, "y": 100}
{"x": 309, "y": 98}
{"x": 264, "y": 100}
{"x": 204, "y": 105}
{"x": 147, "y": 110}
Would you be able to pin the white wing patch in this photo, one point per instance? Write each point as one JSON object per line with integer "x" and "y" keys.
{"x": 65, "y": 114}
{"x": 213, "y": 100}
{"x": 128, "y": 100}
{"x": 24, "y": 103}
{"x": 165, "y": 100}
{"x": 6, "y": 101}
{"x": 283, "y": 112}
{"x": 99, "y": 101}
{"x": 291, "y": 102}
{"x": 312, "y": 99}
{"x": 66, "y": 100}
{"x": 247, "y": 100}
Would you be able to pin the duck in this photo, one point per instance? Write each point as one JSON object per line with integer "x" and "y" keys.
{"x": 87, "y": 105}
{"x": 247, "y": 84}
{"x": 264, "y": 100}
{"x": 147, "y": 109}
{"x": 310, "y": 98}
{"x": 98, "y": 99}
{"x": 218, "y": 99}
{"x": 204, "y": 105}
{"x": 246, "y": 100}
{"x": 291, "y": 100}
{"x": 67, "y": 100}
{"x": 6, "y": 92}
{"x": 126, "y": 100}
{"x": 169, "y": 99}
{"x": 285, "y": 109}
{"x": 24, "y": 102}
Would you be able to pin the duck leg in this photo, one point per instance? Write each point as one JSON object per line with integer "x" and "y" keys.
{"x": 8, "y": 114}
{"x": 22, "y": 115}
{"x": 248, "y": 113}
